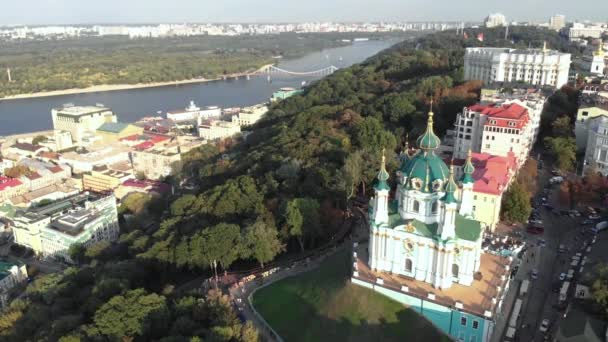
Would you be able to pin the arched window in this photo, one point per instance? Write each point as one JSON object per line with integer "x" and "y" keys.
{"x": 455, "y": 270}
{"x": 416, "y": 206}
{"x": 434, "y": 207}
{"x": 408, "y": 265}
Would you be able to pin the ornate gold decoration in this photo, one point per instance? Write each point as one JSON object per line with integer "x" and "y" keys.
{"x": 410, "y": 228}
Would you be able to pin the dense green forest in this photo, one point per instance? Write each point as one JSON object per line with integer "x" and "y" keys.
{"x": 282, "y": 190}
{"x": 79, "y": 63}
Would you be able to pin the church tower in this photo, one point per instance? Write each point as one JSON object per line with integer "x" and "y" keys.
{"x": 380, "y": 201}
{"x": 466, "y": 205}
{"x": 448, "y": 224}
{"x": 597, "y": 63}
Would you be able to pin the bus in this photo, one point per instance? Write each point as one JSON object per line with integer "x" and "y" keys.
{"x": 515, "y": 314}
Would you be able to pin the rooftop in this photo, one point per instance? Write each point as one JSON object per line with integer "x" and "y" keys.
{"x": 5, "y": 269}
{"x": 74, "y": 221}
{"x": 476, "y": 299}
{"x": 6, "y": 182}
{"x": 113, "y": 127}
{"x": 492, "y": 173}
{"x": 503, "y": 114}
{"x": 81, "y": 110}
{"x": 26, "y": 147}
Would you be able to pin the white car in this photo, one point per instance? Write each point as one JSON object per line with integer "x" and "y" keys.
{"x": 562, "y": 276}
{"x": 544, "y": 325}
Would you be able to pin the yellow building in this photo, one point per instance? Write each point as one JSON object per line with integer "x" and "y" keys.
{"x": 103, "y": 179}
{"x": 584, "y": 114}
{"x": 111, "y": 132}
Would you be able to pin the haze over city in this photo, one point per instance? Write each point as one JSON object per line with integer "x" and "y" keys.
{"x": 153, "y": 11}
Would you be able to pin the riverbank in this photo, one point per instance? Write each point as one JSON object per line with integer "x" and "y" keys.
{"x": 106, "y": 88}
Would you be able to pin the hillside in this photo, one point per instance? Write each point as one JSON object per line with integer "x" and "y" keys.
{"x": 282, "y": 190}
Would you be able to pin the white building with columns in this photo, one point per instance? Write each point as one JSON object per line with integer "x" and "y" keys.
{"x": 534, "y": 66}
{"x": 426, "y": 232}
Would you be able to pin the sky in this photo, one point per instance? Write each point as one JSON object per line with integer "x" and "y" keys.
{"x": 33, "y": 12}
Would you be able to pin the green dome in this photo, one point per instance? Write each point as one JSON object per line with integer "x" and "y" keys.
{"x": 468, "y": 170}
{"x": 428, "y": 168}
{"x": 429, "y": 140}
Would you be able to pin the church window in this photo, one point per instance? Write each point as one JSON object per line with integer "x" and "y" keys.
{"x": 434, "y": 207}
{"x": 455, "y": 271}
{"x": 416, "y": 206}
{"x": 475, "y": 324}
{"x": 408, "y": 265}
{"x": 463, "y": 321}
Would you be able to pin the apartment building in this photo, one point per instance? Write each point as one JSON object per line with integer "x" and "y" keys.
{"x": 85, "y": 159}
{"x": 11, "y": 275}
{"x": 217, "y": 129}
{"x": 596, "y": 151}
{"x": 50, "y": 230}
{"x": 250, "y": 115}
{"x": 103, "y": 179}
{"x": 158, "y": 161}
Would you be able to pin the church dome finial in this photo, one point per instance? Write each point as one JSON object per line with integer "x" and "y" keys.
{"x": 429, "y": 140}
{"x": 450, "y": 187}
{"x": 382, "y": 175}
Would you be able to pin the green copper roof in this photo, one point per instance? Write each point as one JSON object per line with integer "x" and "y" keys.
{"x": 468, "y": 170}
{"x": 382, "y": 176}
{"x": 467, "y": 229}
{"x": 429, "y": 140}
{"x": 427, "y": 167}
{"x": 113, "y": 127}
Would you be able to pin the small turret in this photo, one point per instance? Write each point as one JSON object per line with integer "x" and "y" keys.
{"x": 429, "y": 141}
{"x": 466, "y": 200}
{"x": 450, "y": 188}
{"x": 468, "y": 169}
{"x": 448, "y": 224}
{"x": 380, "y": 201}
{"x": 382, "y": 175}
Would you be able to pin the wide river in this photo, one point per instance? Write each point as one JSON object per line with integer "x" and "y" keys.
{"x": 34, "y": 114}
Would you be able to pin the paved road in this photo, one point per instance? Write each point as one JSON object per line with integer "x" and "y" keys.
{"x": 541, "y": 301}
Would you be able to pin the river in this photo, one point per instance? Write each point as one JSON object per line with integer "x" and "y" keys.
{"x": 34, "y": 114}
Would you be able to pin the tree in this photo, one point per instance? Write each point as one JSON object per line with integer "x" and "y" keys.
{"x": 370, "y": 133}
{"x": 39, "y": 139}
{"x": 76, "y": 252}
{"x": 249, "y": 333}
{"x": 220, "y": 243}
{"x": 563, "y": 149}
{"x": 293, "y": 222}
{"x": 561, "y": 127}
{"x": 17, "y": 171}
{"x": 262, "y": 242}
{"x": 528, "y": 174}
{"x": 516, "y": 203}
{"x": 352, "y": 172}
{"x": 134, "y": 314}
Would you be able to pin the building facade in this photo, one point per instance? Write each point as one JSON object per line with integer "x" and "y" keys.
{"x": 596, "y": 151}
{"x": 50, "y": 230}
{"x": 81, "y": 121}
{"x": 598, "y": 62}
{"x": 157, "y": 162}
{"x": 534, "y": 66}
{"x": 585, "y": 114}
{"x": 218, "y": 130}
{"x": 102, "y": 179}
{"x": 111, "y": 132}
{"x": 557, "y": 22}
{"x": 250, "y": 115}
{"x": 496, "y": 129}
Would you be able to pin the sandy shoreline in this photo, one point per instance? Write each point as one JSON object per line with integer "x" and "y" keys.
{"x": 106, "y": 87}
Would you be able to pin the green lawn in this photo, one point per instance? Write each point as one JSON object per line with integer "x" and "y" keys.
{"x": 323, "y": 305}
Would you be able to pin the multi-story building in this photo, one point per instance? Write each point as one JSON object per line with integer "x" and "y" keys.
{"x": 50, "y": 230}
{"x": 596, "y": 152}
{"x": 591, "y": 107}
{"x": 158, "y": 161}
{"x": 495, "y": 20}
{"x": 598, "y": 62}
{"x": 580, "y": 30}
{"x": 84, "y": 160}
{"x": 492, "y": 177}
{"x": 11, "y": 275}
{"x": 540, "y": 67}
{"x": 495, "y": 129}
{"x": 25, "y": 150}
{"x": 11, "y": 187}
{"x": 425, "y": 248}
{"x": 43, "y": 174}
{"x": 193, "y": 113}
{"x": 285, "y": 93}
{"x": 557, "y": 22}
{"x": 81, "y": 121}
{"x": 218, "y": 129}
{"x": 250, "y": 115}
{"x": 102, "y": 179}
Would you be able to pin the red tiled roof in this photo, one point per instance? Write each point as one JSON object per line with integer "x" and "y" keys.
{"x": 26, "y": 147}
{"x": 6, "y": 182}
{"x": 49, "y": 155}
{"x": 502, "y": 115}
{"x": 492, "y": 173}
{"x": 56, "y": 169}
{"x": 34, "y": 175}
{"x": 148, "y": 185}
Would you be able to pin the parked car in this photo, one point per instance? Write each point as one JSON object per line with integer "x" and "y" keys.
{"x": 588, "y": 221}
{"x": 542, "y": 242}
{"x": 535, "y": 230}
{"x": 594, "y": 217}
{"x": 562, "y": 276}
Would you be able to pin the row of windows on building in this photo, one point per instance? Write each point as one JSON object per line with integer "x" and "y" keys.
{"x": 501, "y": 129}
{"x": 409, "y": 267}
{"x": 416, "y": 207}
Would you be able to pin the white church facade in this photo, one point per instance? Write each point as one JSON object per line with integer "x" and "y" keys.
{"x": 427, "y": 231}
